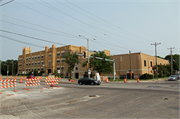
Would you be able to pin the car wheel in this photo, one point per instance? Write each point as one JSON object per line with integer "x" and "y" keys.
{"x": 80, "y": 83}
{"x": 92, "y": 83}
{"x": 99, "y": 83}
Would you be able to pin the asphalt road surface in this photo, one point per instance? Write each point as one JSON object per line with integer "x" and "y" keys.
{"x": 152, "y": 100}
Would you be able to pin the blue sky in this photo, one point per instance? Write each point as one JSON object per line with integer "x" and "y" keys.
{"x": 117, "y": 25}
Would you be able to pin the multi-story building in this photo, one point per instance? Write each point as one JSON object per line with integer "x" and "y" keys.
{"x": 50, "y": 60}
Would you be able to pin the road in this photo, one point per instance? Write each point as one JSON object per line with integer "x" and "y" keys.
{"x": 133, "y": 100}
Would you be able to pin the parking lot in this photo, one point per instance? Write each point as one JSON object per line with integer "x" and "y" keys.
{"x": 109, "y": 100}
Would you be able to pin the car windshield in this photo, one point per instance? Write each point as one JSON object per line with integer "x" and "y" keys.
{"x": 173, "y": 76}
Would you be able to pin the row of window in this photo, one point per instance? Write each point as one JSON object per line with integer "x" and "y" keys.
{"x": 62, "y": 68}
{"x": 150, "y": 63}
{"x": 35, "y": 63}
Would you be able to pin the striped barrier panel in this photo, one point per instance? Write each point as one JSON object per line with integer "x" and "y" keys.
{"x": 8, "y": 83}
{"x": 51, "y": 81}
{"x": 32, "y": 82}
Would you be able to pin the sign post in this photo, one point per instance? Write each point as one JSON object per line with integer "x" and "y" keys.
{"x": 59, "y": 72}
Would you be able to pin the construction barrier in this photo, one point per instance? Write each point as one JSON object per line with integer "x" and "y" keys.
{"x": 32, "y": 82}
{"x": 8, "y": 83}
{"x": 71, "y": 80}
{"x": 124, "y": 80}
{"x": 51, "y": 81}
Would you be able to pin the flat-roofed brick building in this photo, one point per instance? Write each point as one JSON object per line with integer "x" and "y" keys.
{"x": 50, "y": 60}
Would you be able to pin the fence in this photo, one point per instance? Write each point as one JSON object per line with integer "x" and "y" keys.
{"x": 32, "y": 82}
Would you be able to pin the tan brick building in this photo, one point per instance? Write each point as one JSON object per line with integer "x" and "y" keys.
{"x": 139, "y": 64}
{"x": 50, "y": 60}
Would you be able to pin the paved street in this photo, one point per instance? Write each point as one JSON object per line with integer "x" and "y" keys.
{"x": 133, "y": 100}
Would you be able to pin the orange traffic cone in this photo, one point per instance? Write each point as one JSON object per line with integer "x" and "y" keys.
{"x": 138, "y": 80}
{"x": 59, "y": 78}
{"x": 20, "y": 81}
{"x": 107, "y": 81}
{"x": 124, "y": 80}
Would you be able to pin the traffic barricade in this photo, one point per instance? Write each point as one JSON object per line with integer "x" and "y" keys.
{"x": 8, "y": 83}
{"x": 32, "y": 82}
{"x": 51, "y": 81}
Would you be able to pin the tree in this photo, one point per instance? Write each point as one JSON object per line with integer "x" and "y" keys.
{"x": 163, "y": 70}
{"x": 70, "y": 59}
{"x": 175, "y": 61}
{"x": 9, "y": 63}
{"x": 100, "y": 66}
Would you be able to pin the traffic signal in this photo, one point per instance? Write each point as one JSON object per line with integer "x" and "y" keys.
{"x": 84, "y": 54}
{"x": 87, "y": 65}
{"x": 94, "y": 56}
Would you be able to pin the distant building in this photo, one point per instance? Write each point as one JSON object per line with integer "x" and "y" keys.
{"x": 50, "y": 60}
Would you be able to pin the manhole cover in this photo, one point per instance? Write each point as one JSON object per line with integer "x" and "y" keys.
{"x": 92, "y": 95}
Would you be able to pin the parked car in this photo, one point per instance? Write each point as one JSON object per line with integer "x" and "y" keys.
{"x": 177, "y": 76}
{"x": 172, "y": 78}
{"x": 90, "y": 81}
{"x": 31, "y": 76}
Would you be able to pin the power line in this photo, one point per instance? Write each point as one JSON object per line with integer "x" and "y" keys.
{"x": 38, "y": 29}
{"x": 127, "y": 32}
{"x": 38, "y": 25}
{"x": 32, "y": 37}
{"x": 6, "y": 2}
{"x": 21, "y": 41}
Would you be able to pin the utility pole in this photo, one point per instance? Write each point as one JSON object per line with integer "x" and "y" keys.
{"x": 171, "y": 59}
{"x": 12, "y": 67}
{"x": 130, "y": 62}
{"x": 7, "y": 70}
{"x": 156, "y": 57}
{"x": 87, "y": 53}
{"x": 0, "y": 68}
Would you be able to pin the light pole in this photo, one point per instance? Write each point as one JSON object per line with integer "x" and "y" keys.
{"x": 0, "y": 68}
{"x": 88, "y": 52}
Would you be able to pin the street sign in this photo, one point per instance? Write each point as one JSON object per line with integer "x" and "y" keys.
{"x": 59, "y": 71}
{"x": 89, "y": 72}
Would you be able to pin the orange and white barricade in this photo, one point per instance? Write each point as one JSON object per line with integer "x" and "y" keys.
{"x": 32, "y": 82}
{"x": 51, "y": 81}
{"x": 8, "y": 83}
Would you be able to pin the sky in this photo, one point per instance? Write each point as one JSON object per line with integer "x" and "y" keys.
{"x": 116, "y": 25}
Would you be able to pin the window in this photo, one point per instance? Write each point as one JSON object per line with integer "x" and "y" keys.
{"x": 58, "y": 61}
{"x": 49, "y": 63}
{"x": 62, "y": 68}
{"x": 38, "y": 57}
{"x": 34, "y": 57}
{"x": 41, "y": 69}
{"x": 29, "y": 58}
{"x": 76, "y": 68}
{"x": 151, "y": 63}
{"x": 62, "y": 53}
{"x": 58, "y": 54}
{"x": 41, "y": 62}
{"x": 26, "y": 69}
{"x": 29, "y": 69}
{"x": 32, "y": 63}
{"x": 145, "y": 63}
{"x": 38, "y": 63}
{"x": 49, "y": 55}
{"x": 26, "y": 58}
{"x": 42, "y": 56}
{"x": 38, "y": 69}
{"x": 29, "y": 64}
{"x": 26, "y": 64}
{"x": 58, "y": 68}
{"x": 32, "y": 69}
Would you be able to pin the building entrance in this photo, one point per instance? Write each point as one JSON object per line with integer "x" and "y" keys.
{"x": 49, "y": 71}
{"x": 76, "y": 75}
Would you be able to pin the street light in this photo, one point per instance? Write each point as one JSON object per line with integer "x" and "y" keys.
{"x": 88, "y": 51}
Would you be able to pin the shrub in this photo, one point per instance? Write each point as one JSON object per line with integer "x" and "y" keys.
{"x": 146, "y": 76}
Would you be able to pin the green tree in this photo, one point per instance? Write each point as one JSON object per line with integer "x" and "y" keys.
{"x": 100, "y": 66}
{"x": 175, "y": 61}
{"x": 9, "y": 63}
{"x": 163, "y": 70}
{"x": 70, "y": 59}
